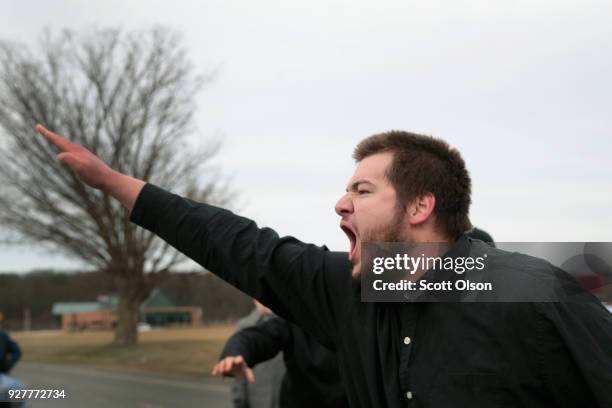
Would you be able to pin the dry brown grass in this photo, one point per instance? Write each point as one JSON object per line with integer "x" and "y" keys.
{"x": 179, "y": 351}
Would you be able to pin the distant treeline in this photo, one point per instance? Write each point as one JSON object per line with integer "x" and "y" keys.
{"x": 34, "y": 293}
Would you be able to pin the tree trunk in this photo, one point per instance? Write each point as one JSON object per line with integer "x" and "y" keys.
{"x": 128, "y": 313}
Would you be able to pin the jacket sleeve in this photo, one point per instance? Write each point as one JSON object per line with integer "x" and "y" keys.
{"x": 585, "y": 327}
{"x": 303, "y": 283}
{"x": 259, "y": 343}
{"x": 14, "y": 352}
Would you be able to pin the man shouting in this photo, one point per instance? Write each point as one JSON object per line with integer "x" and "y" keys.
{"x": 406, "y": 188}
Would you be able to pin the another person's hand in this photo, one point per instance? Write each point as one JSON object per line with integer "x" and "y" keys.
{"x": 234, "y": 366}
{"x": 93, "y": 171}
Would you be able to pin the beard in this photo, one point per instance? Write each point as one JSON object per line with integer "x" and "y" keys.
{"x": 394, "y": 231}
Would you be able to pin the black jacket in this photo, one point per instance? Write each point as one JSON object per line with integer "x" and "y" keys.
{"x": 10, "y": 353}
{"x": 404, "y": 354}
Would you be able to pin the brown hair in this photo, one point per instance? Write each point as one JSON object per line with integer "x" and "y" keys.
{"x": 423, "y": 164}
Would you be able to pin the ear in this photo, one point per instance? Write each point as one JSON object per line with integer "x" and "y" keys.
{"x": 421, "y": 208}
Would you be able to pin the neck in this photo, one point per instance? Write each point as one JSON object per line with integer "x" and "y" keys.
{"x": 428, "y": 235}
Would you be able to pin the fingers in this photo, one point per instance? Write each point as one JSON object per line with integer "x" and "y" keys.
{"x": 216, "y": 369}
{"x": 244, "y": 370}
{"x": 248, "y": 373}
{"x": 234, "y": 365}
{"x": 228, "y": 364}
{"x": 223, "y": 367}
{"x": 62, "y": 143}
{"x": 219, "y": 368}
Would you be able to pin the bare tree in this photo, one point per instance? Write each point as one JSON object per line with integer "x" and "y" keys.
{"x": 127, "y": 97}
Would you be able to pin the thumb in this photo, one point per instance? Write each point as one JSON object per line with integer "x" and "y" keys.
{"x": 250, "y": 377}
{"x": 69, "y": 159}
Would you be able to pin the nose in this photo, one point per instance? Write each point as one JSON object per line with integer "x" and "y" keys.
{"x": 344, "y": 205}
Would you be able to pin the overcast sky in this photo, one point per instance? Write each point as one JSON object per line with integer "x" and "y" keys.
{"x": 523, "y": 89}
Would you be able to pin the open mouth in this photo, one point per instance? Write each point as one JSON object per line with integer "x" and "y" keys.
{"x": 352, "y": 238}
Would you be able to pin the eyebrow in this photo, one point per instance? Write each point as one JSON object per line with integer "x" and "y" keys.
{"x": 354, "y": 185}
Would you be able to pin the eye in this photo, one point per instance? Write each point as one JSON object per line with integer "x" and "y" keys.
{"x": 360, "y": 192}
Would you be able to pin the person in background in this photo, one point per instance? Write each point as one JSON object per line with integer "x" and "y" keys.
{"x": 10, "y": 353}
{"x": 312, "y": 377}
{"x": 481, "y": 235}
{"x": 265, "y": 393}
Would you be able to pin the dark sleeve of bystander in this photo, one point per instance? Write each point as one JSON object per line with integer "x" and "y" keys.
{"x": 259, "y": 343}
{"x": 10, "y": 353}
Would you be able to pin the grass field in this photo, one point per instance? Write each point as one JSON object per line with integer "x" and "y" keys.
{"x": 188, "y": 352}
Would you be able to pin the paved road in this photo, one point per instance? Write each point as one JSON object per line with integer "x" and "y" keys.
{"x": 96, "y": 388}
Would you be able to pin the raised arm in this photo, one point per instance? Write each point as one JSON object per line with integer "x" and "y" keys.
{"x": 303, "y": 283}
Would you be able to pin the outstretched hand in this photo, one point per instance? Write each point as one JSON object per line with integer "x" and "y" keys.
{"x": 93, "y": 171}
{"x": 87, "y": 166}
{"x": 234, "y": 366}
